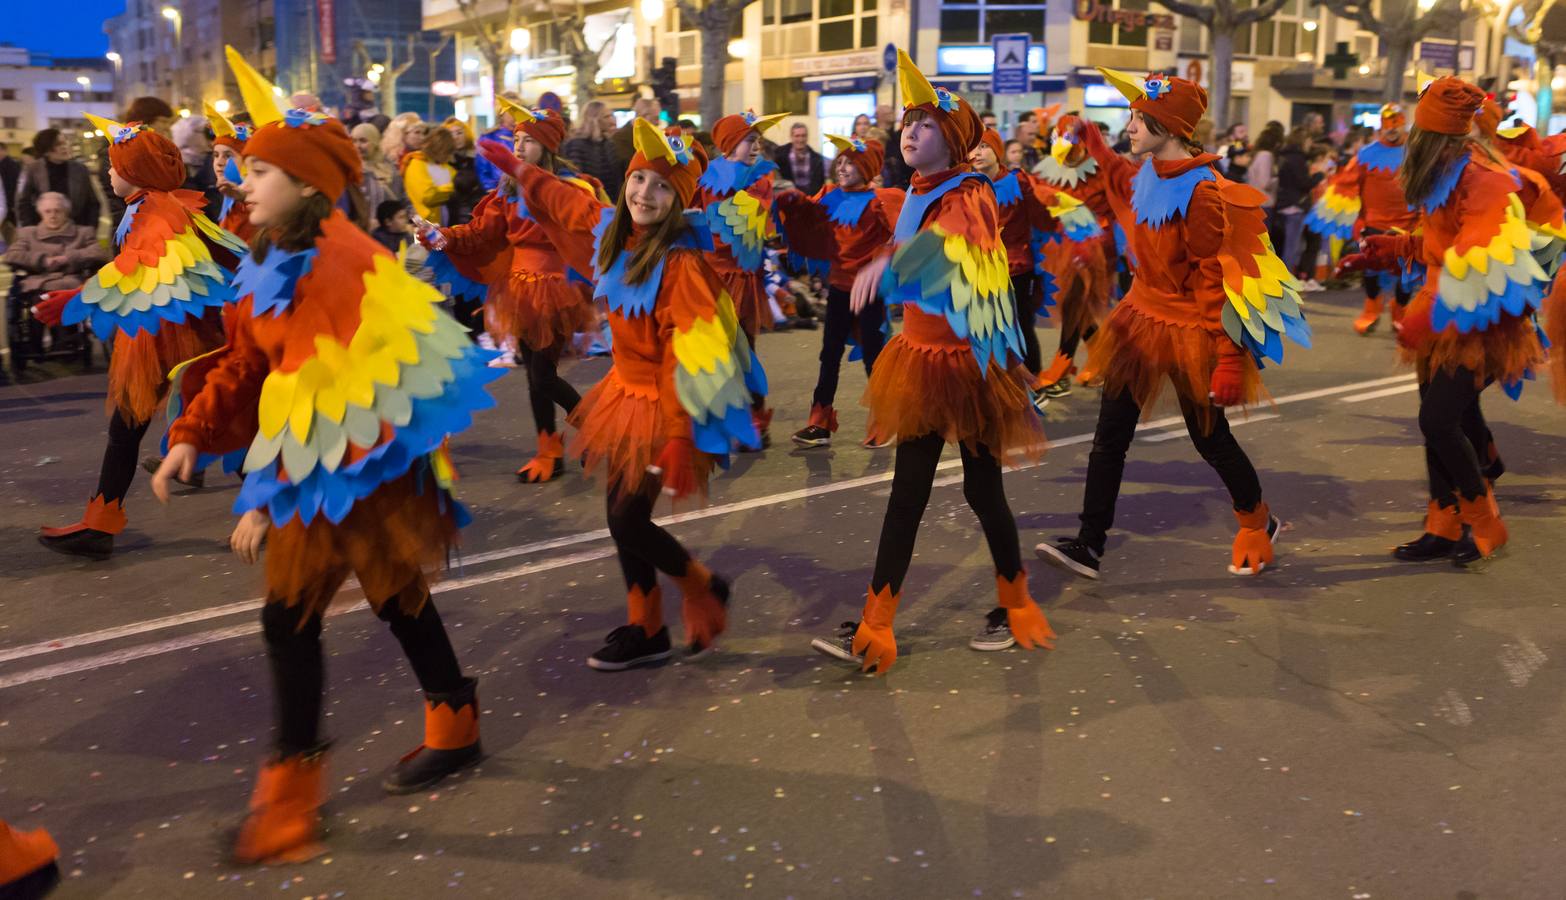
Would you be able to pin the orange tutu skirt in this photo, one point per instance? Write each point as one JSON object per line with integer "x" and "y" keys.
{"x": 1137, "y": 353}
{"x": 1081, "y": 273}
{"x": 387, "y": 540}
{"x": 1501, "y": 353}
{"x": 139, "y": 366}
{"x": 620, "y": 429}
{"x": 1555, "y": 329}
{"x": 921, "y": 386}
{"x": 749, "y": 292}
{"x": 539, "y": 311}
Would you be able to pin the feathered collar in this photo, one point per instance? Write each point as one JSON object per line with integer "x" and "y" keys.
{"x": 1445, "y": 183}
{"x": 1008, "y": 188}
{"x": 632, "y": 300}
{"x": 1054, "y": 172}
{"x": 1162, "y": 189}
{"x": 847, "y": 207}
{"x": 725, "y": 176}
{"x": 270, "y": 284}
{"x": 1381, "y": 156}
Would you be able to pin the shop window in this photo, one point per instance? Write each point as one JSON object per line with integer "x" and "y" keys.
{"x": 1264, "y": 35}
{"x": 959, "y": 26}
{"x": 1115, "y": 35}
{"x": 867, "y": 32}
{"x": 1015, "y": 21}
{"x": 795, "y": 11}
{"x": 832, "y": 9}
{"x": 784, "y": 93}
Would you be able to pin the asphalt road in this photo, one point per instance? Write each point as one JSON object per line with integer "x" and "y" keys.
{"x": 1343, "y": 726}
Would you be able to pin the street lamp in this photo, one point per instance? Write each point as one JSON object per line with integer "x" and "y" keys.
{"x": 652, "y": 14}
{"x": 521, "y": 38}
{"x": 739, "y": 48}
{"x": 652, "y": 10}
{"x": 221, "y": 106}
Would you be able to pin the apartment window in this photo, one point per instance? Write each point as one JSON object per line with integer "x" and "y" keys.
{"x": 11, "y": 122}
{"x": 1282, "y": 36}
{"x": 1116, "y": 35}
{"x": 7, "y": 93}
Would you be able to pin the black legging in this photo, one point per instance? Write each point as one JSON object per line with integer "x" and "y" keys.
{"x": 1070, "y": 335}
{"x": 1117, "y": 419}
{"x": 119, "y": 458}
{"x": 293, "y": 646}
{"x": 1448, "y": 402}
{"x": 912, "y": 479}
{"x": 545, "y": 388}
{"x": 1372, "y": 280}
{"x": 1027, "y": 305}
{"x": 644, "y": 548}
{"x": 840, "y": 319}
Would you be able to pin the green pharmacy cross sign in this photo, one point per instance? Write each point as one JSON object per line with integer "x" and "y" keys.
{"x": 1340, "y": 60}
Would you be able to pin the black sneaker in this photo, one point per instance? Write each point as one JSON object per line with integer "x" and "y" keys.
{"x": 1061, "y": 388}
{"x": 1465, "y": 552}
{"x": 1072, "y": 555}
{"x": 629, "y": 646}
{"x": 995, "y": 635}
{"x": 1426, "y": 548}
{"x": 839, "y": 645}
{"x": 86, "y": 542}
{"x": 813, "y": 436}
{"x": 426, "y": 766}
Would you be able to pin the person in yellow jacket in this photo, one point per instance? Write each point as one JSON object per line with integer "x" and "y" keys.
{"x": 427, "y": 175}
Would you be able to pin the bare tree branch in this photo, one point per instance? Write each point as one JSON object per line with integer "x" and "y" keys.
{"x": 1358, "y": 10}
{"x": 1197, "y": 11}
{"x": 1258, "y": 12}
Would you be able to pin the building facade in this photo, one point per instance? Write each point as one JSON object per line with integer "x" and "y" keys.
{"x": 332, "y": 48}
{"x": 38, "y": 91}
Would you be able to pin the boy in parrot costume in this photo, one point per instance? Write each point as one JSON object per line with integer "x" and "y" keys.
{"x": 1209, "y": 302}
{"x": 228, "y": 150}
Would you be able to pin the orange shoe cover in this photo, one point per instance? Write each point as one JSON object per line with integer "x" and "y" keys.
{"x": 1443, "y": 521}
{"x": 821, "y": 417}
{"x": 1058, "y": 369}
{"x": 1027, "y": 621}
{"x": 1483, "y": 518}
{"x": 645, "y": 608}
{"x": 108, "y": 517}
{"x": 285, "y": 812}
{"x": 704, "y": 611}
{"x": 546, "y": 465}
{"x": 22, "y": 853}
{"x": 450, "y": 723}
{"x": 1369, "y": 316}
{"x": 874, "y": 640}
{"x": 1252, "y": 545}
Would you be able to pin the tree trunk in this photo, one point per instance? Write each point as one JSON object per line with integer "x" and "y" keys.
{"x": 1221, "y": 37}
{"x": 715, "y": 28}
{"x": 1397, "y": 47}
{"x": 586, "y": 64}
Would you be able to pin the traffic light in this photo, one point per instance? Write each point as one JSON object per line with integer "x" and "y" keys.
{"x": 665, "y": 79}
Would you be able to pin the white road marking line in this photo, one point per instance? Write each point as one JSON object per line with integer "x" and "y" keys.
{"x": 195, "y": 640}
{"x": 1377, "y": 395}
{"x": 1233, "y": 423}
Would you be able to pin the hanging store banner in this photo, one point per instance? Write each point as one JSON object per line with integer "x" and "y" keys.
{"x": 326, "y": 28}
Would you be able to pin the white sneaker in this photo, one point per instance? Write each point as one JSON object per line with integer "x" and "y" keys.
{"x": 485, "y": 341}
{"x": 1311, "y": 286}
{"x": 506, "y": 360}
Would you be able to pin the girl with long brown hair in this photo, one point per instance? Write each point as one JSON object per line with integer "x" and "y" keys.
{"x": 340, "y": 384}
{"x": 1470, "y": 325}
{"x": 679, "y": 390}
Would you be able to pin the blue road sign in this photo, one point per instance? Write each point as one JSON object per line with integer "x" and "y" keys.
{"x": 889, "y": 58}
{"x": 1011, "y": 64}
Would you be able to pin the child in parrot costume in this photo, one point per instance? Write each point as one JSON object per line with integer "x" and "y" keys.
{"x": 950, "y": 376}
{"x": 835, "y": 234}
{"x": 1082, "y": 263}
{"x": 340, "y": 384}
{"x": 1209, "y": 302}
{"x": 735, "y": 192}
{"x": 530, "y": 295}
{"x": 228, "y": 150}
{"x": 678, "y": 394}
{"x": 1366, "y": 199}
{"x": 158, "y": 303}
{"x": 1471, "y": 324}
{"x": 1034, "y": 217}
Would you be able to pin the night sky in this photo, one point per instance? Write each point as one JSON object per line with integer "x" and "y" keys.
{"x": 41, "y": 26}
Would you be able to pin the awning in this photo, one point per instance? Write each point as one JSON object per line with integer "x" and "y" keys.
{"x": 849, "y": 83}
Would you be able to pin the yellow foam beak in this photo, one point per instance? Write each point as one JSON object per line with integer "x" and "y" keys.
{"x": 1513, "y": 133}
{"x": 649, "y": 142}
{"x": 1060, "y": 148}
{"x": 916, "y": 88}
{"x": 842, "y": 144}
{"x": 221, "y": 126}
{"x": 519, "y": 112}
{"x": 260, "y": 99}
{"x": 1423, "y": 79}
{"x": 107, "y": 126}
{"x": 1129, "y": 86}
{"x": 764, "y": 122}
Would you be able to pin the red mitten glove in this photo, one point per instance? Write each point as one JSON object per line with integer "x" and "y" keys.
{"x": 1228, "y": 382}
{"x": 51, "y": 307}
{"x": 502, "y": 158}
{"x": 676, "y": 466}
{"x": 1376, "y": 251}
{"x": 1415, "y": 329}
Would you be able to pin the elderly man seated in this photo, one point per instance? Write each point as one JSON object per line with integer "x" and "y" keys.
{"x": 56, "y": 254}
